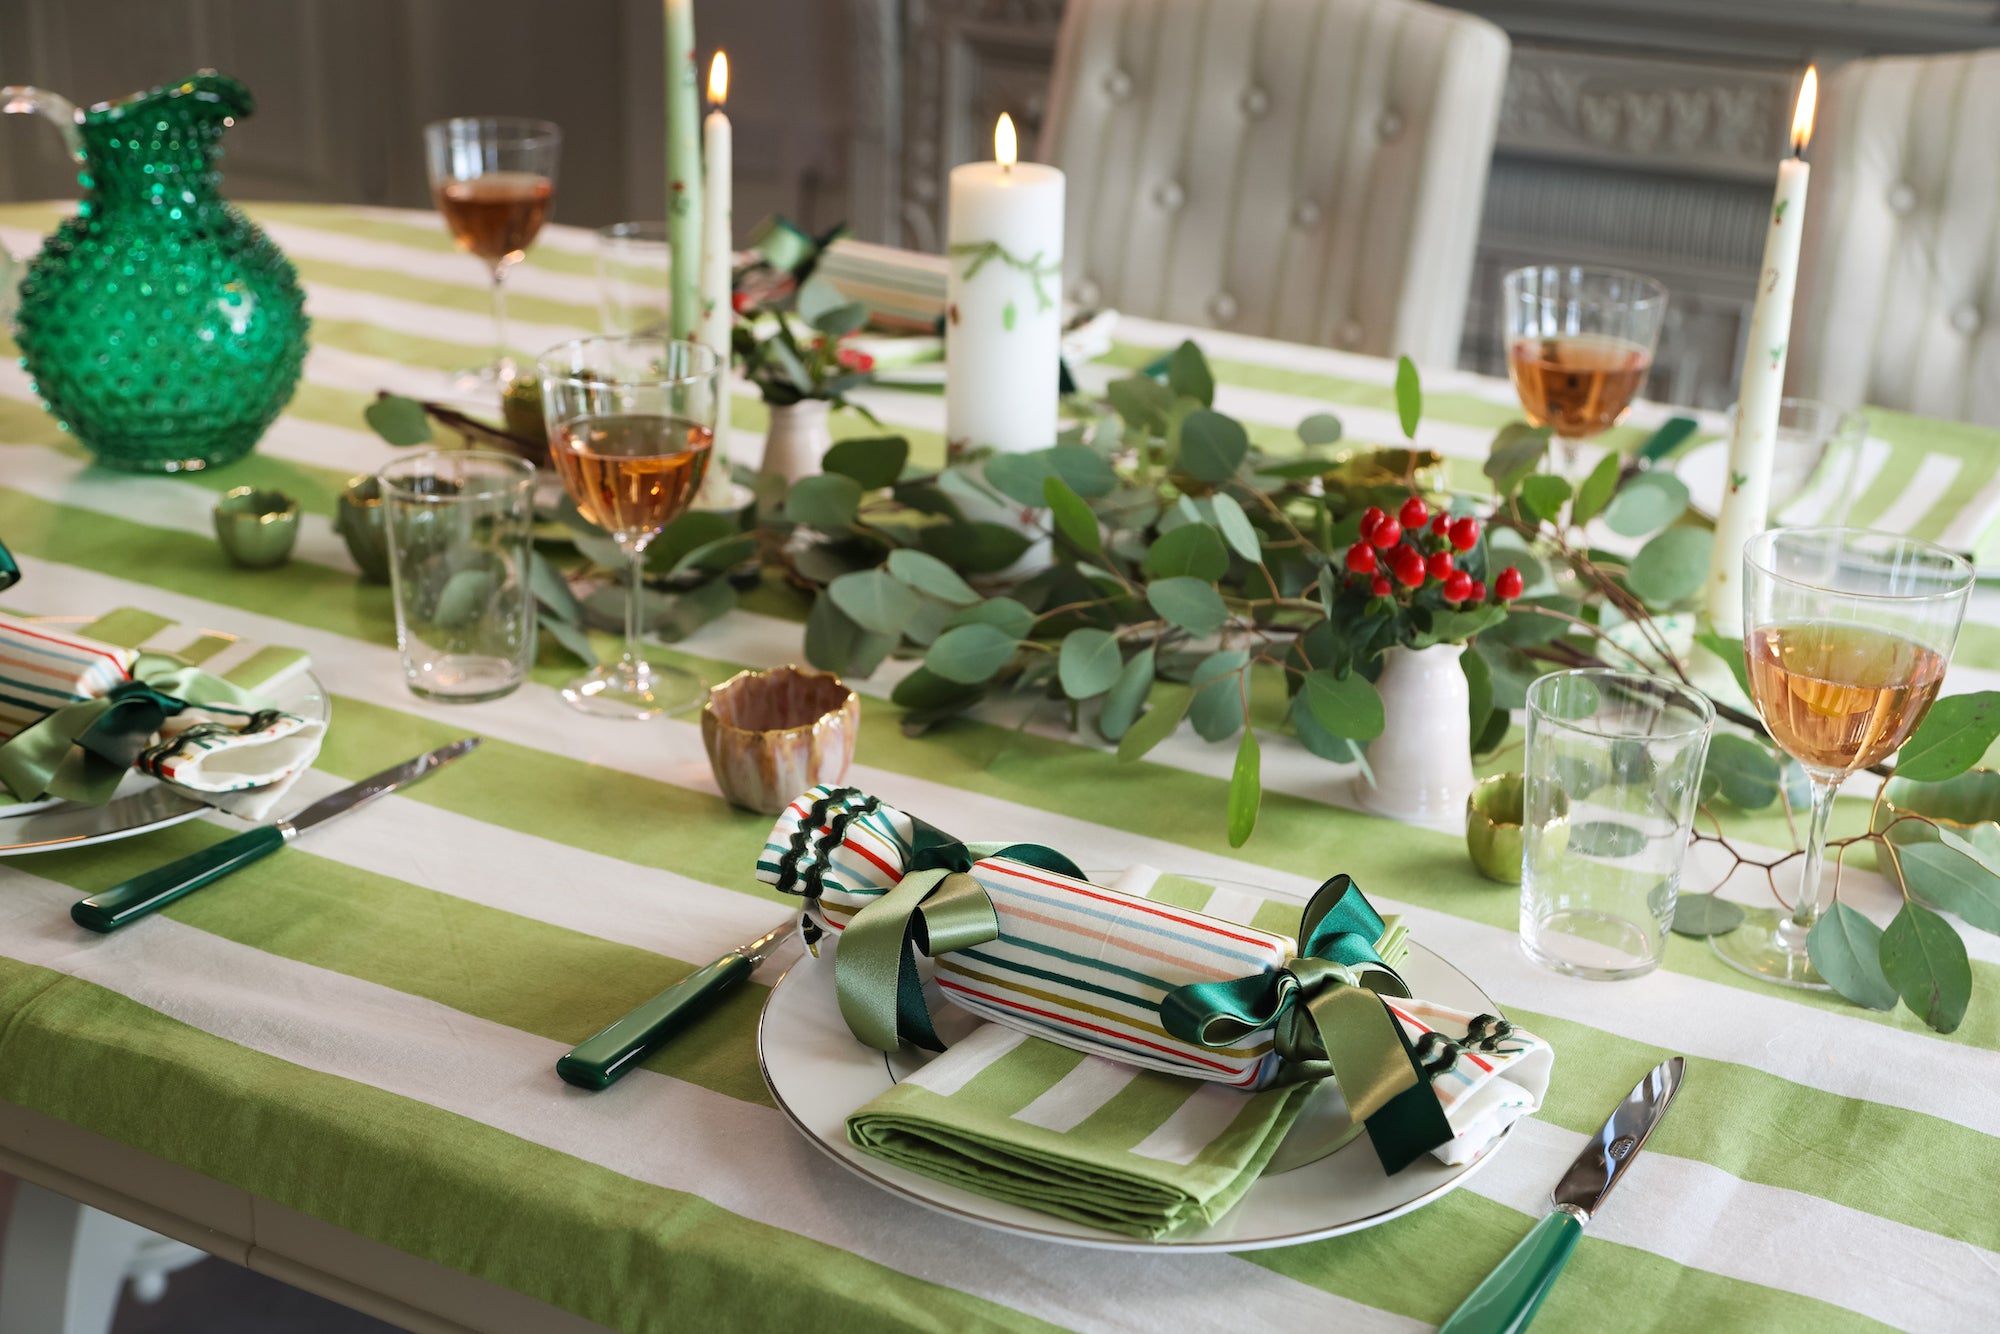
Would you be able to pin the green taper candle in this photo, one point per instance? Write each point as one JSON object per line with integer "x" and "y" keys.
{"x": 683, "y": 171}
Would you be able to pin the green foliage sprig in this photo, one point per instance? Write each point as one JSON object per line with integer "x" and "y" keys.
{"x": 789, "y": 363}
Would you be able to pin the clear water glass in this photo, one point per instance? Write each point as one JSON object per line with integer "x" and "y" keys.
{"x": 634, "y": 263}
{"x": 1815, "y": 461}
{"x": 459, "y": 525}
{"x": 1613, "y": 778}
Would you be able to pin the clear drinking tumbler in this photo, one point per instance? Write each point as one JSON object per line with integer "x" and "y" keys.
{"x": 1613, "y": 778}
{"x": 459, "y": 526}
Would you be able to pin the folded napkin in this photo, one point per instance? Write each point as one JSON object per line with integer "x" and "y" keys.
{"x": 1144, "y": 1153}
{"x": 133, "y": 689}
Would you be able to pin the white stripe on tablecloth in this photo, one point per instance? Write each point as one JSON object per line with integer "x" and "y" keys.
{"x": 1974, "y": 520}
{"x": 969, "y": 1056}
{"x": 745, "y": 1158}
{"x": 1193, "y": 1126}
{"x": 1067, "y": 1103}
{"x": 1831, "y": 1050}
{"x": 439, "y": 323}
{"x": 1933, "y": 475}
{"x": 304, "y": 241}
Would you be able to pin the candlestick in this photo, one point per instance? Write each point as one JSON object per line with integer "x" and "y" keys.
{"x": 717, "y": 253}
{"x": 1003, "y": 302}
{"x": 1746, "y": 504}
{"x": 683, "y": 171}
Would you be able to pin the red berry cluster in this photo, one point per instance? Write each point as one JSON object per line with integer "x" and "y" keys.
{"x": 1413, "y": 545}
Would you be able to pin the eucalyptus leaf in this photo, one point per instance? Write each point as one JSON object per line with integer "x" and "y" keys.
{"x": 1544, "y": 493}
{"x": 1322, "y": 428}
{"x": 1073, "y": 517}
{"x": 1236, "y": 527}
{"x": 1672, "y": 567}
{"x": 928, "y": 574}
{"x": 1924, "y": 960}
{"x": 1188, "y": 374}
{"x": 874, "y": 600}
{"x": 715, "y": 557}
{"x": 1646, "y": 504}
{"x": 970, "y": 654}
{"x": 930, "y": 620}
{"x": 827, "y": 501}
{"x": 1246, "y": 790}
{"x": 1846, "y": 949}
{"x": 1953, "y": 737}
{"x": 573, "y": 638}
{"x": 1087, "y": 472}
{"x": 836, "y": 644}
{"x": 1478, "y": 691}
{"x": 1122, "y": 702}
{"x": 1089, "y": 662}
{"x": 1742, "y": 771}
{"x": 1216, "y": 711}
{"x": 1154, "y": 726}
{"x": 1518, "y": 449}
{"x": 552, "y": 590}
{"x": 1317, "y": 739}
{"x": 1955, "y": 876}
{"x": 1189, "y": 603}
{"x": 1702, "y": 915}
{"x": 1213, "y": 446}
{"x": 817, "y": 297}
{"x": 1310, "y": 466}
{"x": 925, "y": 690}
{"x": 687, "y": 612}
{"x": 1345, "y": 706}
{"x": 1193, "y": 549}
{"x": 398, "y": 420}
{"x": 1731, "y": 653}
{"x": 464, "y": 599}
{"x": 1596, "y": 491}
{"x": 1605, "y": 838}
{"x": 1019, "y": 477}
{"x": 1004, "y": 614}
{"x": 1409, "y": 396}
{"x": 1140, "y": 402}
{"x": 874, "y": 462}
{"x": 690, "y": 532}
{"x": 976, "y": 547}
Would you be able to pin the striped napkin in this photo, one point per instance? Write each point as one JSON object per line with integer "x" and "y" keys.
{"x": 1143, "y": 1152}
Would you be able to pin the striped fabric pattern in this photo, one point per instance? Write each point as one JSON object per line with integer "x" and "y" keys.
{"x": 363, "y": 1028}
{"x": 42, "y": 668}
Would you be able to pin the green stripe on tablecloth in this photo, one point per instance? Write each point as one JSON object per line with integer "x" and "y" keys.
{"x": 445, "y": 295}
{"x": 422, "y": 232}
{"x": 622, "y": 1252}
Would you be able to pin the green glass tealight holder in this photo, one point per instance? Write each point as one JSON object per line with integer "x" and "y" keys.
{"x": 359, "y": 519}
{"x": 257, "y": 528}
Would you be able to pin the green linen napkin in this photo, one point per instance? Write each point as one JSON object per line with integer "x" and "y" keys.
{"x": 1024, "y": 1120}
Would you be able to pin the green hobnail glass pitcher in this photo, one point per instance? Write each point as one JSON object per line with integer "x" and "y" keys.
{"x": 160, "y": 327}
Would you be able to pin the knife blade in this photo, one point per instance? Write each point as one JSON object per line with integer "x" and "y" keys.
{"x": 155, "y": 889}
{"x": 602, "y": 1059}
{"x": 1509, "y": 1297}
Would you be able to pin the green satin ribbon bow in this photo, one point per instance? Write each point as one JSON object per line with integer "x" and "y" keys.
{"x": 82, "y": 751}
{"x": 1326, "y": 1015}
{"x": 935, "y": 908}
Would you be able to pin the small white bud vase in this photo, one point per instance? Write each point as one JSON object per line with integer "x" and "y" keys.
{"x": 1422, "y": 762}
{"x": 798, "y": 440}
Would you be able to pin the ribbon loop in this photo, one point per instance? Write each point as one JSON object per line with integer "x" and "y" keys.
{"x": 875, "y": 973}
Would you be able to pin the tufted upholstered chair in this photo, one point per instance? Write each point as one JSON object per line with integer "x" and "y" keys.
{"x": 1311, "y": 170}
{"x": 1899, "y": 289}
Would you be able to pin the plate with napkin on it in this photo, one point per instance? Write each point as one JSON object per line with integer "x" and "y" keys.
{"x": 202, "y": 719}
{"x": 1011, "y": 1131}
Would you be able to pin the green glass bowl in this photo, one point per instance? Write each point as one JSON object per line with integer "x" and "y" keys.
{"x": 257, "y": 527}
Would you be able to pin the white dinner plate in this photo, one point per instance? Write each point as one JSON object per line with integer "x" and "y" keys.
{"x": 142, "y": 803}
{"x": 819, "y": 1074}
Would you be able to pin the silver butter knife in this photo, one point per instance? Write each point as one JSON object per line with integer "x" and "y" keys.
{"x": 602, "y": 1059}
{"x": 157, "y": 888}
{"x": 1513, "y": 1292}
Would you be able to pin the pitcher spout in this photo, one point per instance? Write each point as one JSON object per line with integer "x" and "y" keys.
{"x": 19, "y": 99}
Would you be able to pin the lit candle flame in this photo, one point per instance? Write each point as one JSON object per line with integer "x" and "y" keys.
{"x": 1004, "y": 151}
{"x": 718, "y": 79}
{"x": 1802, "y": 119}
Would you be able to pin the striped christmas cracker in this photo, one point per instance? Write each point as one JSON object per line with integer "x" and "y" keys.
{"x": 44, "y": 667}
{"x": 1079, "y": 963}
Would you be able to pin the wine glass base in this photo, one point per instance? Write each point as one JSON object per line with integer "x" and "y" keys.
{"x": 1757, "y": 948}
{"x": 492, "y": 378}
{"x": 635, "y": 692}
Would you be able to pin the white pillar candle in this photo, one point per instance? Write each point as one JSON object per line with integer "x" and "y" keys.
{"x": 1746, "y": 503}
{"x": 718, "y": 315}
{"x": 1003, "y": 302}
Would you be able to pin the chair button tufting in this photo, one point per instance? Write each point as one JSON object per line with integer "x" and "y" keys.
{"x": 1966, "y": 319}
{"x": 1305, "y": 213}
{"x": 1350, "y": 333}
{"x": 1118, "y": 85}
{"x": 1389, "y": 125}
{"x": 1088, "y": 293}
{"x": 1222, "y": 307}
{"x": 1170, "y": 196}
{"x": 1255, "y": 103}
{"x": 1902, "y": 198}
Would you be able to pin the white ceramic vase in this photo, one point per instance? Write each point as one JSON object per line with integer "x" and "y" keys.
{"x": 1422, "y": 762}
{"x": 798, "y": 440}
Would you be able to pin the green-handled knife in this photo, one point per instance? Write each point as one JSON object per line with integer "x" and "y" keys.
{"x": 1507, "y": 1301}
{"x": 157, "y": 888}
{"x": 602, "y": 1059}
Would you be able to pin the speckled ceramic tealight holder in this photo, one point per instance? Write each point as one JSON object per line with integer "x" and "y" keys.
{"x": 772, "y": 735}
{"x": 1494, "y": 813}
{"x": 256, "y": 527}
{"x": 360, "y": 521}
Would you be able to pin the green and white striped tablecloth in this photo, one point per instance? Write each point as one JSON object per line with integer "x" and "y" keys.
{"x": 364, "y": 1027}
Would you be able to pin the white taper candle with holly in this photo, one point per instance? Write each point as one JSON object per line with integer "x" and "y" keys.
{"x": 718, "y": 315}
{"x": 1746, "y": 503}
{"x": 1003, "y": 301}
{"x": 683, "y": 172}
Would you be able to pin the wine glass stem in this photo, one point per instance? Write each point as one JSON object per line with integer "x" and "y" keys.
{"x": 632, "y": 617}
{"x": 500, "y": 314}
{"x": 1806, "y": 910}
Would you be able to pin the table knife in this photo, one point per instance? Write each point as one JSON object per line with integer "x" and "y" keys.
{"x": 1510, "y": 1296}
{"x": 157, "y": 888}
{"x": 602, "y": 1059}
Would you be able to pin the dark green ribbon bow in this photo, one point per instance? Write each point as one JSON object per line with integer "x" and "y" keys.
{"x": 1327, "y": 1017}
{"x": 935, "y": 908}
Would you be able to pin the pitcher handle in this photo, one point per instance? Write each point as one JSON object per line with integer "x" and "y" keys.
{"x": 19, "y": 99}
